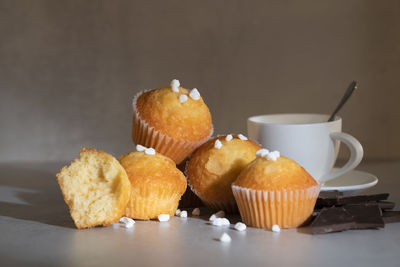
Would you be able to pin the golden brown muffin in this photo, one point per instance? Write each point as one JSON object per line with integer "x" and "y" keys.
{"x": 157, "y": 185}
{"x": 175, "y": 123}
{"x": 95, "y": 187}
{"x": 275, "y": 190}
{"x": 211, "y": 170}
{"x": 188, "y": 199}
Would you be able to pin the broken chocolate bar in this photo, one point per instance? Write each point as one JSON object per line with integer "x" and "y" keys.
{"x": 342, "y": 200}
{"x": 327, "y": 198}
{"x": 365, "y": 216}
{"x": 333, "y": 219}
{"x": 391, "y": 216}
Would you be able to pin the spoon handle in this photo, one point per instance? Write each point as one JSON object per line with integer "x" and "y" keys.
{"x": 352, "y": 87}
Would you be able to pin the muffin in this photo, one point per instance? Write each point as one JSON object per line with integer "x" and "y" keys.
{"x": 95, "y": 187}
{"x": 189, "y": 199}
{"x": 215, "y": 165}
{"x": 275, "y": 190}
{"x": 156, "y": 184}
{"x": 173, "y": 120}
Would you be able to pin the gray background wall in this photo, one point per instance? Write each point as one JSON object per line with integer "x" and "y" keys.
{"x": 68, "y": 69}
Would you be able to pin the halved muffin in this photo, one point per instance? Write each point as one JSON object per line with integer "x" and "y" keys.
{"x": 95, "y": 187}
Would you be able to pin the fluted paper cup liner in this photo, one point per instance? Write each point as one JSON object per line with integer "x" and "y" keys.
{"x": 149, "y": 201}
{"x": 285, "y": 208}
{"x": 148, "y": 136}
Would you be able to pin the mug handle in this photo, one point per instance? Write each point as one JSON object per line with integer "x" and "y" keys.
{"x": 356, "y": 154}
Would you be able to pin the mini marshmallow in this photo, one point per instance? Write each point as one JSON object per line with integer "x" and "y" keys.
{"x": 276, "y": 228}
{"x": 273, "y": 155}
{"x": 175, "y": 85}
{"x": 150, "y": 151}
{"x": 229, "y": 137}
{"x": 221, "y": 222}
{"x": 220, "y": 214}
{"x": 217, "y": 144}
{"x": 183, "y": 98}
{"x": 177, "y": 212}
{"x": 212, "y": 218}
{"x": 240, "y": 226}
{"x": 196, "y": 212}
{"x": 163, "y": 217}
{"x": 242, "y": 137}
{"x": 194, "y": 94}
{"x": 140, "y": 148}
{"x": 225, "y": 238}
{"x": 183, "y": 214}
{"x": 262, "y": 153}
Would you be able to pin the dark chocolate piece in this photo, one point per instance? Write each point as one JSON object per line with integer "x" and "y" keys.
{"x": 327, "y": 198}
{"x": 384, "y": 205}
{"x": 391, "y": 216}
{"x": 333, "y": 219}
{"x": 343, "y": 200}
{"x": 366, "y": 216}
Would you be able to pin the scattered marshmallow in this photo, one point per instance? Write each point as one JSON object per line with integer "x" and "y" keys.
{"x": 127, "y": 222}
{"x": 273, "y": 155}
{"x": 262, "y": 153}
{"x": 140, "y": 148}
{"x": 217, "y": 144}
{"x": 175, "y": 85}
{"x": 177, "y": 212}
{"x": 183, "y": 214}
{"x": 196, "y": 212}
{"x": 225, "y": 238}
{"x": 220, "y": 214}
{"x": 276, "y": 228}
{"x": 229, "y": 137}
{"x": 242, "y": 137}
{"x": 212, "y": 218}
{"x": 163, "y": 217}
{"x": 240, "y": 226}
{"x": 150, "y": 151}
{"x": 221, "y": 222}
{"x": 194, "y": 94}
{"x": 183, "y": 98}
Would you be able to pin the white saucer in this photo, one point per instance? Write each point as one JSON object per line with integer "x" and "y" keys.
{"x": 351, "y": 183}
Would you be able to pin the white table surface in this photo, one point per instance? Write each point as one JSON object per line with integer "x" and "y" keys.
{"x": 36, "y": 229}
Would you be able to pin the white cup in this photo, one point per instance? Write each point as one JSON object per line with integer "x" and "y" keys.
{"x": 309, "y": 139}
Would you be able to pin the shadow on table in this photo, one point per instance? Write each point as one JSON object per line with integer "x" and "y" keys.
{"x": 39, "y": 196}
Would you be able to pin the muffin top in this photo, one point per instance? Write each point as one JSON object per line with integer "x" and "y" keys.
{"x": 216, "y": 164}
{"x": 274, "y": 173}
{"x": 177, "y": 112}
{"x": 154, "y": 168}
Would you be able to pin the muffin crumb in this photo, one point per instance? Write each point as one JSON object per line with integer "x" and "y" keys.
{"x": 196, "y": 212}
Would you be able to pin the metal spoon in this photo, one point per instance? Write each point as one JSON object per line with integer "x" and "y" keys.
{"x": 352, "y": 87}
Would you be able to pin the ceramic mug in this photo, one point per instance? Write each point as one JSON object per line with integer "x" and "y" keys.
{"x": 309, "y": 139}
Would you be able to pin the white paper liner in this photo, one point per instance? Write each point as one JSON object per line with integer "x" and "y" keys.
{"x": 286, "y": 208}
{"x": 148, "y": 136}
